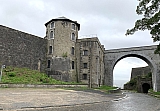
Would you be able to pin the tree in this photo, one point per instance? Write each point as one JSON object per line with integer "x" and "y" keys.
{"x": 150, "y": 9}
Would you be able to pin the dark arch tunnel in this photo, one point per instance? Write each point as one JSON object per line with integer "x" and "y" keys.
{"x": 145, "y": 87}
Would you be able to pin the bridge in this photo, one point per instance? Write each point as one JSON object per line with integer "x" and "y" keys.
{"x": 145, "y": 53}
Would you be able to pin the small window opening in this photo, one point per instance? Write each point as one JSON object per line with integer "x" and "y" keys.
{"x": 49, "y": 64}
{"x": 50, "y": 49}
{"x": 73, "y": 37}
{"x": 52, "y": 25}
{"x": 84, "y": 76}
{"x": 73, "y": 26}
{"x": 85, "y": 52}
{"x": 72, "y": 64}
{"x": 72, "y": 51}
{"x": 84, "y": 65}
{"x": 51, "y": 35}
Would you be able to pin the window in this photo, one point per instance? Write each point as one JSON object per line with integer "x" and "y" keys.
{"x": 84, "y": 76}
{"x": 72, "y": 51}
{"x": 85, "y": 52}
{"x": 49, "y": 64}
{"x": 84, "y": 65}
{"x": 73, "y": 26}
{"x": 50, "y": 49}
{"x": 51, "y": 35}
{"x": 73, "y": 36}
{"x": 72, "y": 64}
{"x": 52, "y": 25}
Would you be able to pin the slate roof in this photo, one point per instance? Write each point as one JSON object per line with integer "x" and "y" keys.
{"x": 63, "y": 19}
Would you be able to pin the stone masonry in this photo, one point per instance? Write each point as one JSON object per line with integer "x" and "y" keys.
{"x": 145, "y": 53}
{"x": 65, "y": 57}
{"x": 20, "y": 49}
{"x": 140, "y": 71}
{"x": 60, "y": 53}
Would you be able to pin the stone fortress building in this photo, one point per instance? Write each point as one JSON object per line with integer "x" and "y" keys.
{"x": 63, "y": 56}
{"x": 60, "y": 53}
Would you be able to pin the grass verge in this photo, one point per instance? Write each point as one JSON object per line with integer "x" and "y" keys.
{"x": 14, "y": 75}
{"x": 106, "y": 88}
{"x": 155, "y": 93}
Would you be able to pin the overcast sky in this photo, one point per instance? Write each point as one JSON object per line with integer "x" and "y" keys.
{"x": 108, "y": 19}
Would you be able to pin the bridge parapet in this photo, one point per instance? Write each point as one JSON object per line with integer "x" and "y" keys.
{"x": 153, "y": 47}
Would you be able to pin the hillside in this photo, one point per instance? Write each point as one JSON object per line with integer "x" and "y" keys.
{"x": 27, "y": 76}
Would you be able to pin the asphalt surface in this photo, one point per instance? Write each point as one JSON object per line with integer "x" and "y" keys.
{"x": 132, "y": 102}
{"x": 52, "y": 99}
{"x": 22, "y": 99}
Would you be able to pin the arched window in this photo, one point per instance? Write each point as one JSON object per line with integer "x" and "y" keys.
{"x": 72, "y": 51}
{"x": 73, "y": 26}
{"x": 51, "y": 35}
{"x": 50, "y": 49}
{"x": 52, "y": 25}
{"x": 73, "y": 36}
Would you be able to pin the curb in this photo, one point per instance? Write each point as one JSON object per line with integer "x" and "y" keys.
{"x": 42, "y": 85}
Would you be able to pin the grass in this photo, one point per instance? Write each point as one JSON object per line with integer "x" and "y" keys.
{"x": 102, "y": 88}
{"x": 27, "y": 76}
{"x": 106, "y": 88}
{"x": 13, "y": 75}
{"x": 155, "y": 93}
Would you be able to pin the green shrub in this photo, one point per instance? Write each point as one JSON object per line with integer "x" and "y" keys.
{"x": 11, "y": 74}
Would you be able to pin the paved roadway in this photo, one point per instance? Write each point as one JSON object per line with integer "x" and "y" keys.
{"x": 71, "y": 100}
{"x": 132, "y": 102}
{"x": 27, "y": 99}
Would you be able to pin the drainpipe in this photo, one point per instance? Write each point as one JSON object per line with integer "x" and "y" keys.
{"x": 97, "y": 70}
{"x": 3, "y": 66}
{"x": 90, "y": 77}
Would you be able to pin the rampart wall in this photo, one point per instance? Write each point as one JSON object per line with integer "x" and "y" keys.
{"x": 20, "y": 49}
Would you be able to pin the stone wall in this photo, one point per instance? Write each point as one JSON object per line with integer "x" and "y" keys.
{"x": 60, "y": 69}
{"x": 140, "y": 71}
{"x": 146, "y": 53}
{"x": 63, "y": 45}
{"x": 42, "y": 86}
{"x": 20, "y": 49}
{"x": 90, "y": 52}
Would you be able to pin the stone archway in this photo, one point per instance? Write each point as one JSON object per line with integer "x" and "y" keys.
{"x": 145, "y": 87}
{"x": 144, "y": 53}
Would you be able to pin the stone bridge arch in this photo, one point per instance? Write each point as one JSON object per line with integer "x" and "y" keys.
{"x": 145, "y": 53}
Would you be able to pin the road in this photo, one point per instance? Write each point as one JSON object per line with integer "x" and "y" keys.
{"x": 40, "y": 99}
{"x": 132, "y": 102}
{"x": 72, "y": 100}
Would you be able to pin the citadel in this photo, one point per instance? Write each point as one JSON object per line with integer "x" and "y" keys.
{"x": 63, "y": 56}
{"x": 60, "y": 53}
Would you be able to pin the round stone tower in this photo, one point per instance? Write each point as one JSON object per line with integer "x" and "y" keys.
{"x": 62, "y": 34}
